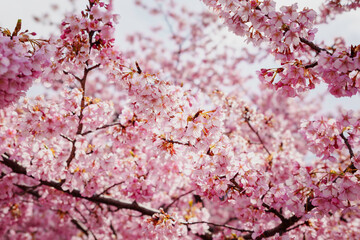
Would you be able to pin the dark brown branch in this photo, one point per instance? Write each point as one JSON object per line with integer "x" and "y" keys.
{"x": 311, "y": 65}
{"x": 177, "y": 142}
{"x": 351, "y": 168}
{"x": 91, "y": 68}
{"x": 285, "y": 224}
{"x": 281, "y": 228}
{"x": 346, "y": 141}
{"x": 76, "y": 77}
{"x": 274, "y": 211}
{"x": 80, "y": 226}
{"x": 29, "y": 190}
{"x": 236, "y": 185}
{"x": 83, "y": 228}
{"x": 82, "y": 107}
{"x": 67, "y": 138}
{"x": 313, "y": 46}
{"x": 139, "y": 71}
{"x": 72, "y": 154}
{"x": 79, "y": 212}
{"x": 16, "y": 168}
{"x": 113, "y": 230}
{"x": 91, "y": 38}
{"x": 218, "y": 225}
{"x": 343, "y": 219}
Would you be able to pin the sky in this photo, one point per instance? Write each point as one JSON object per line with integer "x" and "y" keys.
{"x": 133, "y": 19}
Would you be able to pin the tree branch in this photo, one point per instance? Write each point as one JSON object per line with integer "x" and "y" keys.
{"x": 29, "y": 189}
{"x": 274, "y": 211}
{"x": 247, "y": 120}
{"x": 285, "y": 224}
{"x": 313, "y": 46}
{"x": 82, "y": 107}
{"x": 218, "y": 225}
{"x": 120, "y": 204}
{"x": 351, "y": 168}
{"x": 177, "y": 199}
{"x": 311, "y": 65}
{"x": 67, "y": 138}
{"x": 76, "y": 77}
{"x": 346, "y": 141}
{"x": 174, "y": 141}
{"x": 108, "y": 188}
{"x": 80, "y": 226}
{"x": 113, "y": 230}
{"x": 281, "y": 228}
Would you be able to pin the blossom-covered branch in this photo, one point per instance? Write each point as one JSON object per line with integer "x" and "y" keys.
{"x": 16, "y": 168}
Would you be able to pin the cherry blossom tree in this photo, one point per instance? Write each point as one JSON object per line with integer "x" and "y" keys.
{"x": 165, "y": 139}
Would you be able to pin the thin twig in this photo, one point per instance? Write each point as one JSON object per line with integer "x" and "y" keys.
{"x": 76, "y": 77}
{"x": 177, "y": 199}
{"x": 218, "y": 225}
{"x": 80, "y": 226}
{"x": 174, "y": 141}
{"x": 103, "y": 127}
{"x": 238, "y": 187}
{"x": 113, "y": 230}
{"x": 257, "y": 134}
{"x": 351, "y": 168}
{"x": 78, "y": 211}
{"x": 346, "y": 141}
{"x": 313, "y": 46}
{"x": 83, "y": 228}
{"x": 93, "y": 67}
{"x": 67, "y": 138}
{"x": 108, "y": 188}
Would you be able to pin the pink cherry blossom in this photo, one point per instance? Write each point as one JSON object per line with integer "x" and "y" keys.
{"x": 164, "y": 138}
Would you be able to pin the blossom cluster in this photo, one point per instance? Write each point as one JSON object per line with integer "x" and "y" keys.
{"x": 20, "y": 64}
{"x": 330, "y": 9}
{"x": 86, "y": 40}
{"x": 326, "y": 136}
{"x": 334, "y": 139}
{"x": 121, "y": 151}
{"x": 288, "y": 34}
